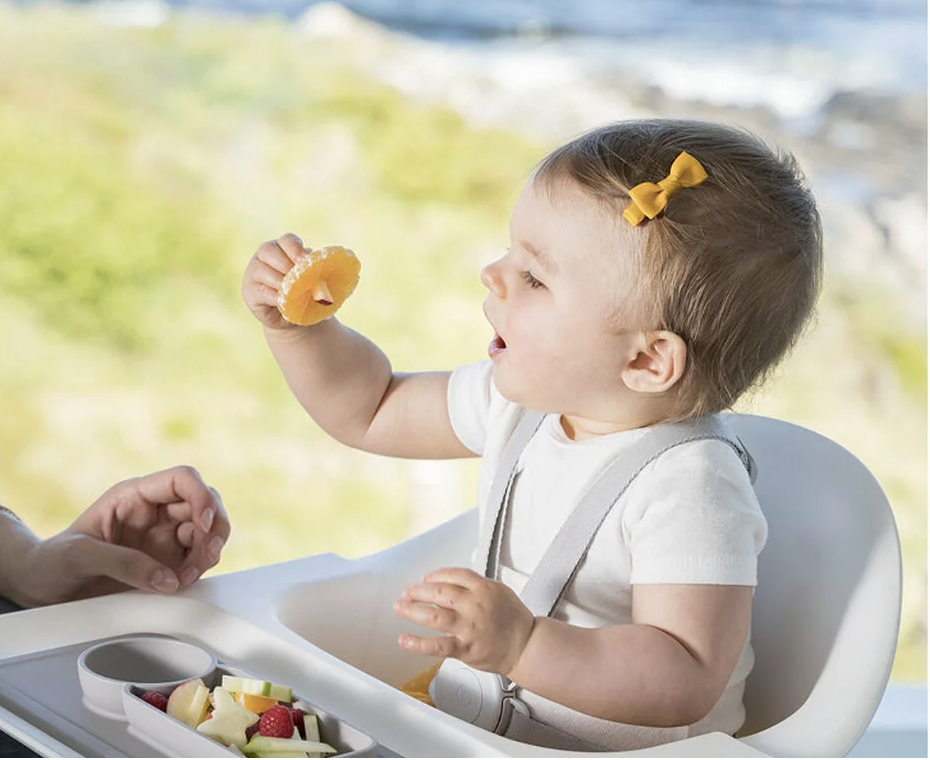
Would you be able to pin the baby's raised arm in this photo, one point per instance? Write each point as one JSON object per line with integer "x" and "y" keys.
{"x": 342, "y": 379}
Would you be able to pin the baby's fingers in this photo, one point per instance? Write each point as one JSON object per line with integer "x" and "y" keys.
{"x": 437, "y": 618}
{"x": 449, "y": 595}
{"x": 434, "y": 646}
{"x": 292, "y": 246}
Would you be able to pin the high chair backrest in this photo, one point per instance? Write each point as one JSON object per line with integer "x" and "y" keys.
{"x": 827, "y": 607}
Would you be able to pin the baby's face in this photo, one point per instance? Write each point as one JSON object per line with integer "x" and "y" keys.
{"x": 553, "y": 301}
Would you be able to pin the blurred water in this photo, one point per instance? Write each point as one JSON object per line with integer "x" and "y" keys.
{"x": 788, "y": 55}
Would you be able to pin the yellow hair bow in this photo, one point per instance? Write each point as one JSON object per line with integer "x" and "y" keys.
{"x": 650, "y": 198}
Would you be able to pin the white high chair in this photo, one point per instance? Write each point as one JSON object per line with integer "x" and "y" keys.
{"x": 825, "y": 614}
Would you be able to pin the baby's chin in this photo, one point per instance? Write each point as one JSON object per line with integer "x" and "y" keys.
{"x": 515, "y": 391}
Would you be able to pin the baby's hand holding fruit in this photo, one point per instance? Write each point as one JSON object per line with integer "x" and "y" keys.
{"x": 286, "y": 284}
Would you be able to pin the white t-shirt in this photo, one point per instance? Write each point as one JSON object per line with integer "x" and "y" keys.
{"x": 690, "y": 516}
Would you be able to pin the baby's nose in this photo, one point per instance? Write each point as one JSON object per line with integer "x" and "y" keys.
{"x": 492, "y": 280}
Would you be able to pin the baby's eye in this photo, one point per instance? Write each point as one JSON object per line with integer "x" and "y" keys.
{"x": 531, "y": 281}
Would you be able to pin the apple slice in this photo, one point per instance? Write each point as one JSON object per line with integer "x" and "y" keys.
{"x": 229, "y": 721}
{"x": 189, "y": 701}
{"x": 260, "y": 745}
{"x": 312, "y": 732}
{"x": 258, "y": 687}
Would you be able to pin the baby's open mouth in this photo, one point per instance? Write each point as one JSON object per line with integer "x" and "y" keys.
{"x": 496, "y": 345}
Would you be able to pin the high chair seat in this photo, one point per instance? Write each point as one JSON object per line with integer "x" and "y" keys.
{"x": 825, "y": 613}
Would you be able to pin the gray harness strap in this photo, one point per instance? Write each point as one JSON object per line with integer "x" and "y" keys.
{"x": 488, "y": 699}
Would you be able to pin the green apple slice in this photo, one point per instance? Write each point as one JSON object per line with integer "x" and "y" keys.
{"x": 259, "y": 745}
{"x": 281, "y": 693}
{"x": 257, "y": 686}
{"x": 312, "y": 732}
{"x": 311, "y": 727}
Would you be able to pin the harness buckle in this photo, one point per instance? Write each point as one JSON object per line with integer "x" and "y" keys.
{"x": 486, "y": 700}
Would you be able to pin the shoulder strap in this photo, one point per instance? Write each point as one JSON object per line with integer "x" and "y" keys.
{"x": 490, "y": 537}
{"x": 564, "y": 555}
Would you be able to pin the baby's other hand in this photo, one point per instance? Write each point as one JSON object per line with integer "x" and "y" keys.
{"x": 263, "y": 276}
{"x": 486, "y": 624}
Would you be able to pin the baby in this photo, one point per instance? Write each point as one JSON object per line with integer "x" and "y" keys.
{"x": 657, "y": 270}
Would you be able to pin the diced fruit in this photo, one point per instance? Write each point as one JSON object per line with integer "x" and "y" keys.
{"x": 246, "y": 685}
{"x": 256, "y": 703}
{"x": 259, "y": 745}
{"x": 318, "y": 284}
{"x": 188, "y": 702}
{"x": 277, "y": 722}
{"x": 229, "y": 720}
{"x": 311, "y": 728}
{"x": 312, "y": 732}
{"x": 280, "y": 693}
{"x": 155, "y": 699}
{"x": 297, "y": 716}
{"x": 256, "y": 686}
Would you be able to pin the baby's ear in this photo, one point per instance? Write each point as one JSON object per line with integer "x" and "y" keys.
{"x": 659, "y": 363}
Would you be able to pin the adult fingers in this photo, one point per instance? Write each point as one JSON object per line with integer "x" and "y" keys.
{"x": 185, "y": 534}
{"x": 181, "y": 484}
{"x": 205, "y": 548}
{"x": 132, "y": 567}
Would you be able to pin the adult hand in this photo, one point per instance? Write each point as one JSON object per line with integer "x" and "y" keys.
{"x": 486, "y": 624}
{"x": 158, "y": 532}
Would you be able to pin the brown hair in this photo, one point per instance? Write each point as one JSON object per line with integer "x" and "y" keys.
{"x": 733, "y": 266}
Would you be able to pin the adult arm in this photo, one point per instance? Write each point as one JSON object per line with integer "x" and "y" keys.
{"x": 158, "y": 532}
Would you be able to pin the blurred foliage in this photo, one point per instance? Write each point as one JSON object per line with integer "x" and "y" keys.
{"x": 142, "y": 167}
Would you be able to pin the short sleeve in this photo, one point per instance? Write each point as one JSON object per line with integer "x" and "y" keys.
{"x": 693, "y": 517}
{"x": 469, "y": 398}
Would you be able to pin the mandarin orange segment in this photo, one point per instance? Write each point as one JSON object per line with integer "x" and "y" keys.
{"x": 318, "y": 285}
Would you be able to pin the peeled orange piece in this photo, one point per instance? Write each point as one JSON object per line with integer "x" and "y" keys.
{"x": 256, "y": 703}
{"x": 318, "y": 285}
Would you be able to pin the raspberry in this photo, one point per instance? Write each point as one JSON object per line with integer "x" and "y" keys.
{"x": 156, "y": 700}
{"x": 297, "y": 715}
{"x": 277, "y": 722}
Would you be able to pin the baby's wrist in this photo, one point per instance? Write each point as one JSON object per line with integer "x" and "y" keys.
{"x": 514, "y": 672}
{"x": 291, "y": 333}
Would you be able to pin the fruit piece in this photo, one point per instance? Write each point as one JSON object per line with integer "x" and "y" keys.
{"x": 311, "y": 728}
{"x": 312, "y": 732}
{"x": 256, "y": 703}
{"x": 246, "y": 685}
{"x": 281, "y": 693}
{"x": 189, "y": 702}
{"x": 159, "y": 701}
{"x": 277, "y": 722}
{"x": 318, "y": 284}
{"x": 259, "y": 745}
{"x": 297, "y": 715}
{"x": 229, "y": 720}
{"x": 256, "y": 686}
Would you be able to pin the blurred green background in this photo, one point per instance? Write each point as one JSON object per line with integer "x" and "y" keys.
{"x": 140, "y": 170}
